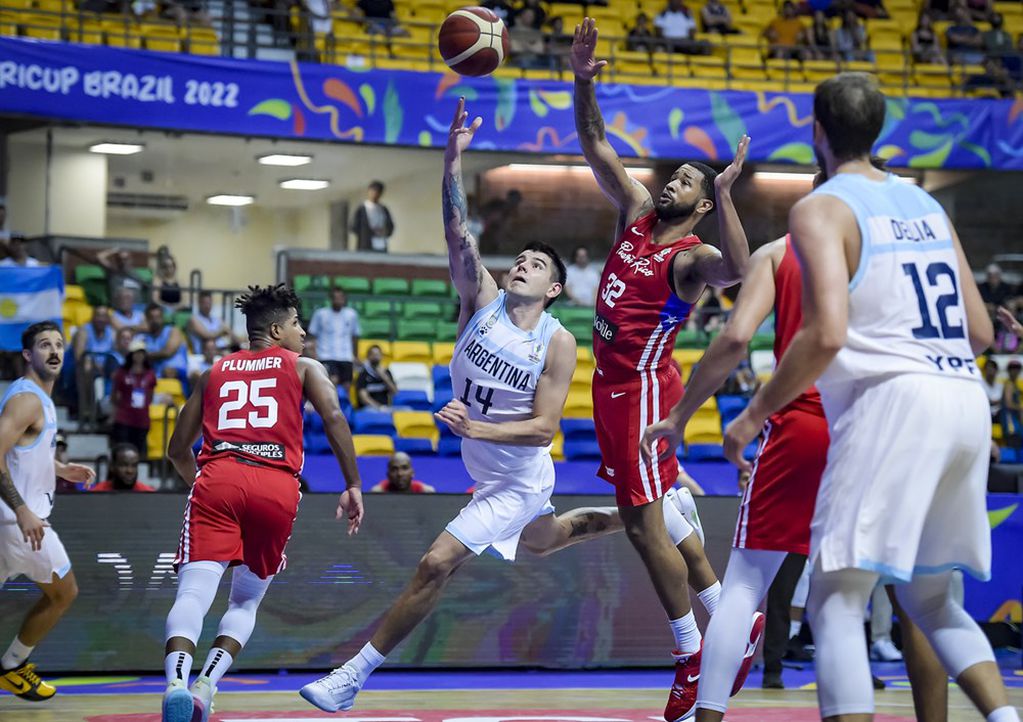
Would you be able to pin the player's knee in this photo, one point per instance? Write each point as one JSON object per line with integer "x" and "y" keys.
{"x": 64, "y": 594}
{"x": 435, "y": 566}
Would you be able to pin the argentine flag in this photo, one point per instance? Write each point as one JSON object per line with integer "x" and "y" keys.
{"x": 28, "y": 295}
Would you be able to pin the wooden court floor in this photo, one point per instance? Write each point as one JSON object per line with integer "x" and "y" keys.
{"x": 567, "y": 705}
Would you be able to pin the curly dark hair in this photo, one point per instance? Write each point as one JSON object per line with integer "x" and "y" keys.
{"x": 265, "y": 305}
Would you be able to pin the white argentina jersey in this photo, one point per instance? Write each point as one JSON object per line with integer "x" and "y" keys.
{"x": 906, "y": 310}
{"x": 31, "y": 467}
{"x": 494, "y": 372}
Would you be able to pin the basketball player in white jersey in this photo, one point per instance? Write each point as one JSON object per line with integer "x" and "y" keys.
{"x": 903, "y": 491}
{"x": 511, "y": 370}
{"x": 28, "y": 473}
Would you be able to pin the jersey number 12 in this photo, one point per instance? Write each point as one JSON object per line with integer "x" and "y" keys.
{"x": 933, "y": 273}
{"x": 485, "y": 401}
{"x": 249, "y": 392}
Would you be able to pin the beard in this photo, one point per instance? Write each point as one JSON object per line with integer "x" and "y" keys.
{"x": 674, "y": 211}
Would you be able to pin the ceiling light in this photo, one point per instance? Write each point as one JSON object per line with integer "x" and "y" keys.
{"x": 117, "y": 148}
{"x": 230, "y": 200}
{"x": 767, "y": 175}
{"x": 304, "y": 184}
{"x": 284, "y": 159}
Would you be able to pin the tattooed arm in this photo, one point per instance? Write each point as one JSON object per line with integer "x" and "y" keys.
{"x": 476, "y": 287}
{"x": 20, "y": 414}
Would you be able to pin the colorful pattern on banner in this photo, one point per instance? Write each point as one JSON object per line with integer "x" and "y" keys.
{"x": 28, "y": 295}
{"x": 1001, "y": 599}
{"x": 324, "y": 102}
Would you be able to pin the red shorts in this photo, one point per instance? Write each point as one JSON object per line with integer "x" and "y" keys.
{"x": 622, "y": 410}
{"x": 239, "y": 513}
{"x": 779, "y": 500}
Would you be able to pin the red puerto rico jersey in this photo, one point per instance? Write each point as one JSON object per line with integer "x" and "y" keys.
{"x": 638, "y": 315}
{"x": 252, "y": 408}
{"x": 788, "y": 317}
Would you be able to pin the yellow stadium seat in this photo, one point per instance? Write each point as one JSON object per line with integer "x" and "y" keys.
{"x": 747, "y": 64}
{"x": 582, "y": 379}
{"x": 412, "y": 351}
{"x": 172, "y": 388}
{"x": 162, "y": 419}
{"x": 996, "y": 432}
{"x": 373, "y": 445}
{"x": 687, "y": 356}
{"x": 74, "y": 293}
{"x": 203, "y": 41}
{"x": 784, "y": 70}
{"x": 931, "y": 76}
{"x": 8, "y": 24}
{"x": 579, "y": 405}
{"x": 703, "y": 430}
{"x": 42, "y": 33}
{"x": 385, "y": 347}
{"x": 584, "y": 357}
{"x": 557, "y": 447}
{"x": 819, "y": 70}
{"x": 707, "y": 66}
{"x": 416, "y": 425}
{"x": 90, "y": 33}
{"x": 162, "y": 43}
{"x": 443, "y": 352}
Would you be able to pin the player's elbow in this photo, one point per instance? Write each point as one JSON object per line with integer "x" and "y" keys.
{"x": 734, "y": 341}
{"x": 545, "y": 431}
{"x": 982, "y": 335}
{"x": 178, "y": 448}
{"x": 829, "y": 340}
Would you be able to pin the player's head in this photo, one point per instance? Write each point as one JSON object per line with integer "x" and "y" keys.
{"x": 154, "y": 317}
{"x": 990, "y": 370}
{"x": 205, "y": 303}
{"x": 338, "y": 298}
{"x": 848, "y": 111}
{"x": 42, "y": 346}
{"x": 101, "y": 318}
{"x": 374, "y": 355}
{"x": 822, "y": 175}
{"x": 689, "y": 192}
{"x": 400, "y": 471}
{"x": 538, "y": 273}
{"x": 271, "y": 316}
{"x": 124, "y": 466}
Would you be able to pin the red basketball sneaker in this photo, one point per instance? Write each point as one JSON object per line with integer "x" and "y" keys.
{"x": 682, "y": 698}
{"x": 756, "y": 632}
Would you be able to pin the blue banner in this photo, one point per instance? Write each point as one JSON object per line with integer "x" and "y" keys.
{"x": 324, "y": 102}
{"x": 1000, "y": 599}
{"x": 28, "y": 295}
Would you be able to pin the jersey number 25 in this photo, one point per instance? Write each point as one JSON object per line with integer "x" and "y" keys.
{"x": 249, "y": 392}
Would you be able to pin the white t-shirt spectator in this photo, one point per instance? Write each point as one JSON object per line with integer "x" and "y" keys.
{"x": 581, "y": 283}
{"x": 994, "y": 395}
{"x": 29, "y": 262}
{"x": 333, "y": 331}
{"x": 675, "y": 24}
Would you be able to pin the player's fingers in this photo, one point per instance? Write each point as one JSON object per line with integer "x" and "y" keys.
{"x": 601, "y": 64}
{"x": 476, "y": 123}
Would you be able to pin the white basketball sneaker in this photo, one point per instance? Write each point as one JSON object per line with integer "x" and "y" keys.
{"x": 335, "y": 692}
{"x": 684, "y": 501}
{"x": 177, "y": 703}
{"x": 202, "y": 699}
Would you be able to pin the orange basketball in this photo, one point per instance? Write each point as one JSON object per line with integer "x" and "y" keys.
{"x": 473, "y": 41}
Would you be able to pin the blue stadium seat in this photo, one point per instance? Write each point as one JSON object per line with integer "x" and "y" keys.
{"x": 416, "y": 400}
{"x": 581, "y": 450}
{"x": 1009, "y": 456}
{"x": 346, "y": 405}
{"x": 750, "y": 452}
{"x": 578, "y": 429}
{"x": 441, "y": 398}
{"x": 449, "y": 446}
{"x": 370, "y": 421}
{"x": 441, "y": 376}
{"x": 415, "y": 447}
{"x": 312, "y": 423}
{"x": 705, "y": 452}
{"x": 317, "y": 444}
{"x": 729, "y": 407}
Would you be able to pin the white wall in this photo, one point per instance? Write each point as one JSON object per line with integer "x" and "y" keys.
{"x": 415, "y": 204}
{"x": 77, "y": 194}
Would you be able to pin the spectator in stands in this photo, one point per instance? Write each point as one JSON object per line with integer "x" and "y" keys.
{"x": 1012, "y": 427}
{"x": 582, "y": 278}
{"x": 993, "y": 389}
{"x": 380, "y": 18}
{"x": 93, "y": 347}
{"x": 17, "y": 253}
{"x": 785, "y": 34}
{"x": 372, "y": 224}
{"x": 337, "y": 338}
{"x": 185, "y": 12}
{"x": 819, "y": 38}
{"x": 198, "y": 364}
{"x": 166, "y": 289}
{"x": 677, "y": 26}
{"x": 124, "y": 471}
{"x": 924, "y": 42}
{"x": 122, "y": 341}
{"x": 125, "y": 315}
{"x": 963, "y": 39}
{"x": 641, "y": 37}
{"x": 559, "y": 47}
{"x": 851, "y": 39}
{"x": 995, "y": 77}
{"x": 528, "y": 48}
{"x": 997, "y": 42}
{"x": 870, "y": 9}
{"x": 165, "y": 344}
{"x": 938, "y": 9}
{"x": 502, "y": 9}
{"x": 204, "y": 325}
{"x": 499, "y": 216}
{"x": 981, "y": 11}
{"x": 536, "y": 20}
{"x": 993, "y": 290}
{"x": 117, "y": 263}
{"x": 400, "y": 478}
{"x": 717, "y": 19}
{"x": 375, "y": 387}
{"x": 131, "y": 396}
{"x": 60, "y": 454}
{"x": 475, "y": 221}
{"x": 319, "y": 15}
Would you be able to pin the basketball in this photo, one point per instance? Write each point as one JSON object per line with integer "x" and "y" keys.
{"x": 473, "y": 41}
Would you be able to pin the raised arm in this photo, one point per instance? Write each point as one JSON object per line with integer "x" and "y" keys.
{"x": 186, "y": 432}
{"x": 476, "y": 287}
{"x": 18, "y": 417}
{"x": 548, "y": 403}
{"x": 728, "y": 266}
{"x": 754, "y": 304}
{"x": 628, "y": 194}
{"x": 322, "y": 394}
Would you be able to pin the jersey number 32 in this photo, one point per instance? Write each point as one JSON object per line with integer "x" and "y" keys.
{"x": 251, "y": 393}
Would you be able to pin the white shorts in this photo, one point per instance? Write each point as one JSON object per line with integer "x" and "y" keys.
{"x": 17, "y": 557}
{"x": 904, "y": 488}
{"x": 498, "y": 512}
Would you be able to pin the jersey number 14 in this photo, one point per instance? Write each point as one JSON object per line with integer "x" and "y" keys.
{"x": 484, "y": 400}
{"x": 950, "y": 299}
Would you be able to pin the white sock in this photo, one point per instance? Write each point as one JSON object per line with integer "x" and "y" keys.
{"x": 178, "y": 665}
{"x": 709, "y": 597}
{"x": 217, "y": 663}
{"x": 1004, "y": 714}
{"x": 687, "y": 634}
{"x": 367, "y": 660}
{"x": 16, "y": 654}
{"x": 794, "y": 627}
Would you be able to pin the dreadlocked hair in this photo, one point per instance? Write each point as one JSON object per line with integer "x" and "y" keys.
{"x": 265, "y": 305}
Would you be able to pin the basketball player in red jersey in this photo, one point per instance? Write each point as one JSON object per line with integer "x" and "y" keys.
{"x": 656, "y": 272}
{"x": 245, "y": 496}
{"x": 778, "y": 501}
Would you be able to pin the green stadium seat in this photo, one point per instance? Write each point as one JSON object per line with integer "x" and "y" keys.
{"x": 421, "y": 309}
{"x": 375, "y": 328}
{"x": 352, "y": 285}
{"x": 390, "y": 287}
{"x": 429, "y": 287}
{"x": 689, "y": 339}
{"x": 575, "y": 314}
{"x": 87, "y": 272}
{"x": 378, "y": 309}
{"x": 145, "y": 274}
{"x": 301, "y": 282}
{"x": 581, "y": 330}
{"x": 447, "y": 331}
{"x": 180, "y": 319}
{"x": 762, "y": 341}
{"x": 319, "y": 283}
{"x": 413, "y": 329}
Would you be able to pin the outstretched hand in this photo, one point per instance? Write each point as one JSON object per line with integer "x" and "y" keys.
{"x": 349, "y": 506}
{"x": 461, "y": 136}
{"x": 1009, "y": 322}
{"x": 584, "y": 49}
{"x": 724, "y": 180}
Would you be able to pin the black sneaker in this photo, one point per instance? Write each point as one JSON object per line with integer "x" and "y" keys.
{"x": 772, "y": 680}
